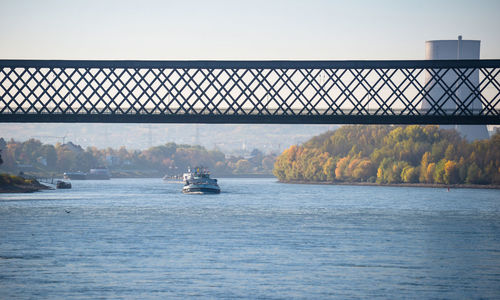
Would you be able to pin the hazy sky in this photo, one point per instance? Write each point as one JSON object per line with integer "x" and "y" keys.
{"x": 163, "y": 30}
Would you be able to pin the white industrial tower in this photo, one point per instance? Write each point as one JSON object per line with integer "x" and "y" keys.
{"x": 456, "y": 49}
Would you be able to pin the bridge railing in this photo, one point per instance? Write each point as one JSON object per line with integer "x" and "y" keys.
{"x": 448, "y": 91}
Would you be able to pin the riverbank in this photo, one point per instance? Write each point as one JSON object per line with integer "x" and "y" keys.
{"x": 427, "y": 185}
{"x": 18, "y": 184}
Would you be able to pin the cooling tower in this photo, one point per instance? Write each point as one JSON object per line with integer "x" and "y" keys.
{"x": 456, "y": 49}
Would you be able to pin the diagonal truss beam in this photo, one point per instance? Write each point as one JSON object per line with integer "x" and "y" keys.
{"x": 314, "y": 92}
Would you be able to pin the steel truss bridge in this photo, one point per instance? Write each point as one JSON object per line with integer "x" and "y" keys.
{"x": 306, "y": 92}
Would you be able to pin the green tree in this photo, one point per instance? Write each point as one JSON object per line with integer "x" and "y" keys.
{"x": 450, "y": 152}
{"x": 243, "y": 166}
{"x": 409, "y": 174}
{"x": 451, "y": 175}
{"x": 364, "y": 170}
{"x": 268, "y": 163}
{"x": 329, "y": 169}
{"x": 473, "y": 174}
{"x": 426, "y": 160}
{"x": 439, "y": 171}
{"x": 340, "y": 170}
{"x": 429, "y": 174}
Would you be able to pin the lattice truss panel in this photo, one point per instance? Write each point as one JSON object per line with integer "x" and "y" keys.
{"x": 250, "y": 91}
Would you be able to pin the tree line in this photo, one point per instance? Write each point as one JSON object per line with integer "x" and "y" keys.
{"x": 170, "y": 158}
{"x": 392, "y": 154}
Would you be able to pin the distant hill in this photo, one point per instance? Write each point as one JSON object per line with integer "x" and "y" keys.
{"x": 392, "y": 154}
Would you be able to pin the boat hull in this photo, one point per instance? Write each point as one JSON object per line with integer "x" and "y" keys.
{"x": 63, "y": 185}
{"x": 200, "y": 190}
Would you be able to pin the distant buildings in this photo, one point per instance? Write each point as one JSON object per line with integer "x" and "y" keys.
{"x": 456, "y": 49}
{"x": 72, "y": 147}
{"x": 113, "y": 160}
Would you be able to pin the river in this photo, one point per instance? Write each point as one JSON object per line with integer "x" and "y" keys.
{"x": 143, "y": 239}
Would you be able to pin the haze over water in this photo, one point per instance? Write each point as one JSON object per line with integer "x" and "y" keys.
{"x": 142, "y": 238}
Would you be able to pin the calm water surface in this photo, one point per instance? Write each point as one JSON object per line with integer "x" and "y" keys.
{"x": 142, "y": 239}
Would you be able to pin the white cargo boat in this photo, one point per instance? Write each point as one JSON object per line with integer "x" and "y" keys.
{"x": 199, "y": 182}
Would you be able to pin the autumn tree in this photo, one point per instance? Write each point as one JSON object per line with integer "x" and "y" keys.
{"x": 451, "y": 172}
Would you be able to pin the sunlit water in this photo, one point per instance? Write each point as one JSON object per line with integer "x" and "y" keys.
{"x": 142, "y": 238}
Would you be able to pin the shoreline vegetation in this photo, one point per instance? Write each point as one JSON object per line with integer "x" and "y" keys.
{"x": 18, "y": 184}
{"x": 412, "y": 155}
{"x": 369, "y": 155}
{"x": 171, "y": 159}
